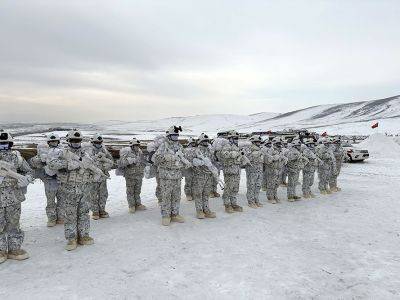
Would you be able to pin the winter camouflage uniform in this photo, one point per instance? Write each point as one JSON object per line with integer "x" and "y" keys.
{"x": 75, "y": 186}
{"x": 284, "y": 171}
{"x": 254, "y": 174}
{"x": 132, "y": 162}
{"x": 202, "y": 179}
{"x": 324, "y": 167}
{"x": 168, "y": 159}
{"x": 338, "y": 153}
{"x": 273, "y": 162}
{"x": 11, "y": 197}
{"x": 308, "y": 170}
{"x": 104, "y": 161}
{"x": 231, "y": 160}
{"x": 293, "y": 167}
{"x": 54, "y": 207}
{"x": 189, "y": 153}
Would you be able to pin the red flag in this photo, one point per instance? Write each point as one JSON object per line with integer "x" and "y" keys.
{"x": 375, "y": 125}
{"x": 324, "y": 134}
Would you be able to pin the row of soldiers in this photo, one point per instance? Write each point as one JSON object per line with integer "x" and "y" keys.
{"x": 75, "y": 177}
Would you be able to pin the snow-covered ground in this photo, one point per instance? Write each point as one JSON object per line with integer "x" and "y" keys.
{"x": 342, "y": 246}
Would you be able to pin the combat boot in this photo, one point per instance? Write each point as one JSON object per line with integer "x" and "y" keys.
{"x": 215, "y": 195}
{"x": 189, "y": 198}
{"x": 165, "y": 221}
{"x": 312, "y": 195}
{"x": 334, "y": 189}
{"x": 95, "y": 216}
{"x": 140, "y": 207}
{"x": 177, "y": 219}
{"x": 237, "y": 208}
{"x": 277, "y": 199}
{"x": 253, "y": 205}
{"x": 296, "y": 198}
{"x": 338, "y": 189}
{"x": 200, "y": 215}
{"x": 210, "y": 214}
{"x": 284, "y": 184}
{"x": 19, "y": 254}
{"x": 104, "y": 215}
{"x": 328, "y": 191}
{"x": 132, "y": 209}
{"x": 71, "y": 245}
{"x": 60, "y": 221}
{"x": 290, "y": 198}
{"x": 229, "y": 209}
{"x": 264, "y": 189}
{"x": 51, "y": 223}
{"x": 3, "y": 256}
{"x": 323, "y": 192}
{"x": 85, "y": 240}
{"x": 306, "y": 195}
{"x": 259, "y": 204}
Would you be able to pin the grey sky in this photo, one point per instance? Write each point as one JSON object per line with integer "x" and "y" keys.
{"x": 97, "y": 60}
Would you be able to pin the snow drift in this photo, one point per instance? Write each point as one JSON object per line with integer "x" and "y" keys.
{"x": 381, "y": 146}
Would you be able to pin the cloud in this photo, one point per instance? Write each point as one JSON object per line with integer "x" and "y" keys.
{"x": 95, "y": 60}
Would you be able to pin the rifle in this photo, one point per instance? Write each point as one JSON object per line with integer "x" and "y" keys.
{"x": 210, "y": 166}
{"x": 86, "y": 163}
{"x": 6, "y": 171}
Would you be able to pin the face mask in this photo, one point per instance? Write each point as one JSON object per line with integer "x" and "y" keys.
{"x": 75, "y": 145}
{"x": 53, "y": 144}
{"x": 174, "y": 137}
{"x": 204, "y": 144}
{"x": 97, "y": 145}
{"x": 4, "y": 147}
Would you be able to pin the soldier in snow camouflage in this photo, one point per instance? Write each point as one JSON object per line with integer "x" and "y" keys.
{"x": 203, "y": 177}
{"x": 104, "y": 161}
{"x": 75, "y": 178}
{"x": 12, "y": 193}
{"x": 188, "y": 173}
{"x": 293, "y": 166}
{"x": 254, "y": 172}
{"x": 170, "y": 161}
{"x": 132, "y": 164}
{"x": 307, "y": 150}
{"x": 325, "y": 164}
{"x": 338, "y": 153}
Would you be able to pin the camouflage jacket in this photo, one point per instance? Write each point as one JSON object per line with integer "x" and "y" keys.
{"x": 131, "y": 162}
{"x": 168, "y": 159}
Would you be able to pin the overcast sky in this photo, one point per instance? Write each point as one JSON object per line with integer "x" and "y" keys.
{"x": 80, "y": 60}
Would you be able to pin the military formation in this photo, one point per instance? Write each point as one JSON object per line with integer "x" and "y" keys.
{"x": 75, "y": 177}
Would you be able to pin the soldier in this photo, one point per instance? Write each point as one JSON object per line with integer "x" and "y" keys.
{"x": 132, "y": 163}
{"x": 15, "y": 175}
{"x": 204, "y": 173}
{"x": 231, "y": 159}
{"x": 75, "y": 171}
{"x": 189, "y": 154}
{"x": 338, "y": 153}
{"x": 170, "y": 161}
{"x": 307, "y": 150}
{"x": 284, "y": 171}
{"x": 54, "y": 208}
{"x": 104, "y": 161}
{"x": 265, "y": 148}
{"x": 293, "y": 166}
{"x": 273, "y": 161}
{"x": 214, "y": 189}
{"x": 254, "y": 172}
{"x": 324, "y": 165}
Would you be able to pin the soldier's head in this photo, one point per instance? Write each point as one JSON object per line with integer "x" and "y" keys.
{"x": 191, "y": 142}
{"x": 256, "y": 140}
{"x": 134, "y": 143}
{"x": 173, "y": 133}
{"x": 6, "y": 141}
{"x": 233, "y": 137}
{"x": 309, "y": 142}
{"x": 97, "y": 140}
{"x": 74, "y": 138}
{"x": 277, "y": 142}
{"x": 53, "y": 140}
{"x": 203, "y": 140}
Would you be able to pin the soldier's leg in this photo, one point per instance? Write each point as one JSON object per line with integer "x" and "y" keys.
{"x": 228, "y": 189}
{"x": 71, "y": 214}
{"x": 130, "y": 191}
{"x": 321, "y": 180}
{"x": 188, "y": 185}
{"x": 250, "y": 183}
{"x": 197, "y": 191}
{"x": 207, "y": 188}
{"x": 3, "y": 233}
{"x": 158, "y": 190}
{"x": 138, "y": 190}
{"x": 291, "y": 185}
{"x": 304, "y": 186}
{"x": 83, "y": 220}
{"x": 94, "y": 190}
{"x": 176, "y": 197}
{"x": 51, "y": 207}
{"x": 15, "y": 236}
{"x": 235, "y": 189}
{"x": 166, "y": 195}
{"x": 60, "y": 204}
{"x": 257, "y": 186}
{"x": 103, "y": 196}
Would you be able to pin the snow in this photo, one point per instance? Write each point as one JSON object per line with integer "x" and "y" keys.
{"x": 380, "y": 145}
{"x": 342, "y": 246}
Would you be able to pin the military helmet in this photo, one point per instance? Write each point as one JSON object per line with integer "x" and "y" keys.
{"x": 255, "y": 139}
{"x": 191, "y": 141}
{"x": 74, "y": 134}
{"x": 173, "y": 130}
{"x": 6, "y": 137}
{"x": 232, "y": 134}
{"x": 52, "y": 137}
{"x": 203, "y": 138}
{"x": 134, "y": 142}
{"x": 96, "y": 138}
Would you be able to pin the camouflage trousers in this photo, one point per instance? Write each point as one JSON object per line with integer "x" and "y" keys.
{"x": 334, "y": 175}
{"x": 133, "y": 190}
{"x": 323, "y": 177}
{"x": 77, "y": 199}
{"x": 170, "y": 196}
{"x": 293, "y": 179}
{"x": 254, "y": 181}
{"x": 214, "y": 186}
{"x": 232, "y": 182}
{"x": 264, "y": 178}
{"x": 202, "y": 187}
{"x": 11, "y": 236}
{"x": 54, "y": 207}
{"x": 99, "y": 196}
{"x": 188, "y": 187}
{"x": 158, "y": 189}
{"x": 308, "y": 181}
{"x": 283, "y": 175}
{"x": 272, "y": 177}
